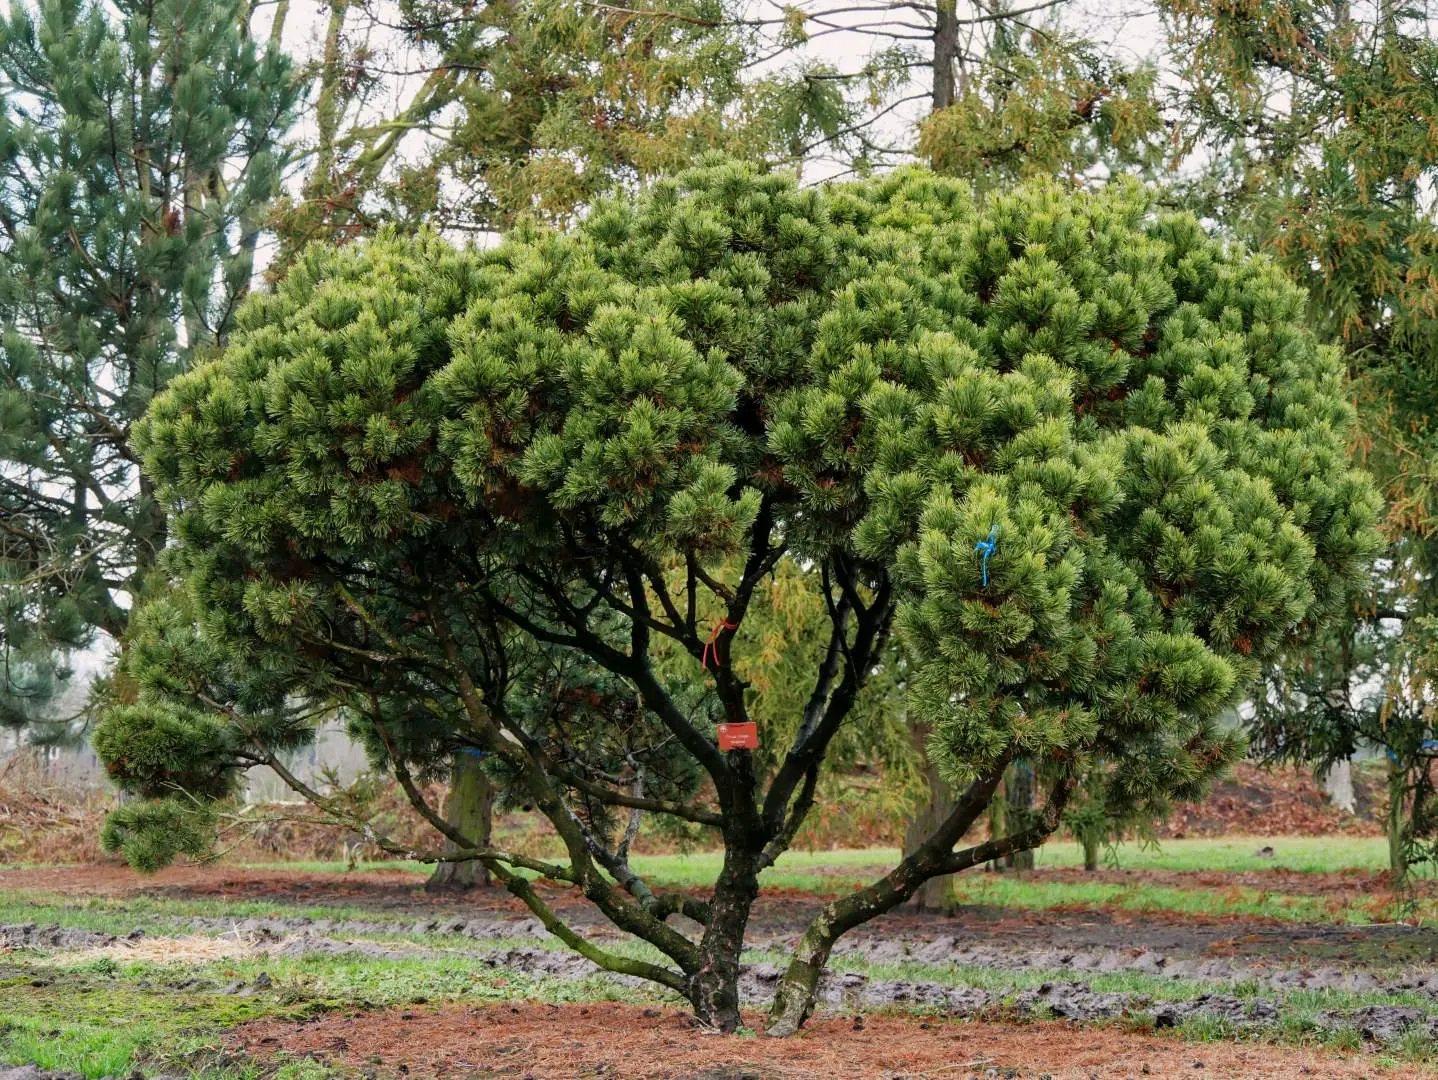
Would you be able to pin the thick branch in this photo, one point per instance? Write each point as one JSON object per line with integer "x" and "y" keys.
{"x": 934, "y": 857}
{"x": 637, "y": 670}
{"x": 622, "y": 965}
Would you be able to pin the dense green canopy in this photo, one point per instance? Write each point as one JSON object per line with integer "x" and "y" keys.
{"x": 1086, "y": 460}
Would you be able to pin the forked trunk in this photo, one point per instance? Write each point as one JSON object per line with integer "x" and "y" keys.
{"x": 714, "y": 987}
{"x": 469, "y": 807}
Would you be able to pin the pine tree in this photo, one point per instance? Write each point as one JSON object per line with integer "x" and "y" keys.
{"x": 1086, "y": 463}
{"x": 537, "y": 109}
{"x": 1044, "y": 101}
{"x": 138, "y": 152}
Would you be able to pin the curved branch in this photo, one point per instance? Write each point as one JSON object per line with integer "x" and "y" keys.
{"x": 583, "y": 848}
{"x": 622, "y": 965}
{"x": 468, "y": 852}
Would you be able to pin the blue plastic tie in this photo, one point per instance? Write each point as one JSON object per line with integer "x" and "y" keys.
{"x": 985, "y": 548}
{"x": 481, "y": 754}
{"x": 1426, "y": 744}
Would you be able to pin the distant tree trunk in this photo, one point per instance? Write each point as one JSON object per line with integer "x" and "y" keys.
{"x": 1396, "y": 862}
{"x": 1091, "y": 845}
{"x": 936, "y": 894}
{"x": 469, "y": 807}
{"x": 946, "y": 48}
{"x": 1338, "y": 786}
{"x": 1019, "y": 800}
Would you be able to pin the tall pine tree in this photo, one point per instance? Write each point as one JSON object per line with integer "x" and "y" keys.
{"x": 140, "y": 147}
{"x": 533, "y": 108}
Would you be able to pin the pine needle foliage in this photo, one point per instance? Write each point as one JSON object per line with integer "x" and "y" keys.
{"x": 416, "y": 469}
{"x": 140, "y": 143}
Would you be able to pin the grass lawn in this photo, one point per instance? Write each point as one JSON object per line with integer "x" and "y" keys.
{"x": 804, "y": 869}
{"x": 833, "y": 871}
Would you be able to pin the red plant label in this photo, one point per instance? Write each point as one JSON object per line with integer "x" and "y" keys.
{"x": 739, "y": 736}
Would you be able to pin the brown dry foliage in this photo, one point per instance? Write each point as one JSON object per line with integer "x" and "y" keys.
{"x": 45, "y": 821}
{"x": 1287, "y": 801}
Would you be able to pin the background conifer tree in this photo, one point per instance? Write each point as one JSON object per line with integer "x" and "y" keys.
{"x": 139, "y": 151}
{"x": 1313, "y": 125}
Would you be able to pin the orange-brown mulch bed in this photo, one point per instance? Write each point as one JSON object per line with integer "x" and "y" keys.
{"x": 629, "y": 1042}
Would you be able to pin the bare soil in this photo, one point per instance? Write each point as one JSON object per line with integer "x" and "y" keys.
{"x": 970, "y": 1032}
{"x": 546, "y": 1042}
{"x": 1105, "y": 939}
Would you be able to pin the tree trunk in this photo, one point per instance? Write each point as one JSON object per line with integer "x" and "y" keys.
{"x": 946, "y": 47}
{"x": 795, "y": 995}
{"x": 469, "y": 807}
{"x": 1019, "y": 800}
{"x": 1338, "y": 786}
{"x": 715, "y": 985}
{"x": 1397, "y": 864}
{"x": 936, "y": 894}
{"x": 1091, "y": 847}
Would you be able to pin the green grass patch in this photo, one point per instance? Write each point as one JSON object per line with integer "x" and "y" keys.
{"x": 799, "y": 868}
{"x": 105, "y": 1018}
{"x": 101, "y": 1026}
{"x": 1008, "y": 891}
{"x": 120, "y": 914}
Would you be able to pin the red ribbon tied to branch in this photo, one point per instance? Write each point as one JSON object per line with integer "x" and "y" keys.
{"x": 712, "y": 645}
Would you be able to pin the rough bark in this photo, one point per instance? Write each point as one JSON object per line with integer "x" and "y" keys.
{"x": 946, "y": 47}
{"x": 715, "y": 985}
{"x": 936, "y": 894}
{"x": 1018, "y": 808}
{"x": 469, "y": 807}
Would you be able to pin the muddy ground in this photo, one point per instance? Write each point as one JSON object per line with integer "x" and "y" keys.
{"x": 1267, "y": 959}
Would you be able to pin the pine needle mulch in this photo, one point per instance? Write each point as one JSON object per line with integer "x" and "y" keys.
{"x": 547, "y": 1042}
